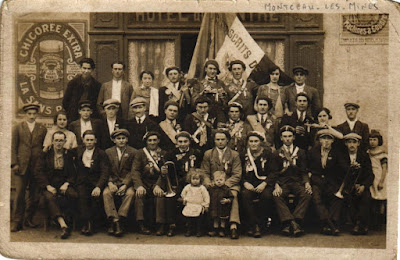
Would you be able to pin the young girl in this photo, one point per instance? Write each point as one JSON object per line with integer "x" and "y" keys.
{"x": 196, "y": 200}
{"x": 379, "y": 167}
{"x": 220, "y": 207}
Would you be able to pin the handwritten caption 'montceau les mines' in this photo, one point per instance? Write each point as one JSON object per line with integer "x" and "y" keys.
{"x": 346, "y": 6}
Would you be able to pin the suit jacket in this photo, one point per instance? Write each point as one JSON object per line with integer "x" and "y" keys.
{"x": 75, "y": 127}
{"x": 211, "y": 164}
{"x": 45, "y": 174}
{"x": 137, "y": 131}
{"x": 271, "y": 128}
{"x": 166, "y": 143}
{"x": 99, "y": 172}
{"x": 360, "y": 128}
{"x": 191, "y": 125}
{"x": 26, "y": 146}
{"x": 266, "y": 165}
{"x": 164, "y": 97}
{"x": 120, "y": 170}
{"x": 296, "y": 173}
{"x": 74, "y": 92}
{"x": 238, "y": 140}
{"x": 313, "y": 94}
{"x": 141, "y": 173}
{"x": 104, "y": 140}
{"x": 247, "y": 101}
{"x": 126, "y": 96}
{"x": 302, "y": 141}
{"x": 366, "y": 177}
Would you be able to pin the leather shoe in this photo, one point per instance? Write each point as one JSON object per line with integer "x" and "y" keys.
{"x": 257, "y": 232}
{"x": 221, "y": 232}
{"x": 188, "y": 232}
{"x": 84, "y": 229}
{"x": 356, "y": 230}
{"x": 89, "y": 230}
{"x": 297, "y": 230}
{"x": 286, "y": 230}
{"x": 144, "y": 230}
{"x": 234, "y": 233}
{"x": 199, "y": 234}
{"x": 171, "y": 231}
{"x": 212, "y": 233}
{"x": 65, "y": 233}
{"x": 326, "y": 230}
{"x": 15, "y": 226}
{"x": 363, "y": 231}
{"x": 161, "y": 230}
{"x": 118, "y": 229}
{"x": 29, "y": 223}
{"x": 250, "y": 233}
{"x": 111, "y": 229}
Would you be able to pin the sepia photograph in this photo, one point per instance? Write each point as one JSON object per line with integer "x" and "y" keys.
{"x": 199, "y": 129}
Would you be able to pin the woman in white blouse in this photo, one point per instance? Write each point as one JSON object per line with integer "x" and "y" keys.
{"x": 150, "y": 93}
{"x": 60, "y": 124}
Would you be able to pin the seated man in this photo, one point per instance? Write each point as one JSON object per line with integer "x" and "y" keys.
{"x": 55, "y": 174}
{"x": 292, "y": 178}
{"x": 222, "y": 158}
{"x": 145, "y": 172}
{"x": 109, "y": 123}
{"x": 93, "y": 173}
{"x": 119, "y": 184}
{"x": 170, "y": 126}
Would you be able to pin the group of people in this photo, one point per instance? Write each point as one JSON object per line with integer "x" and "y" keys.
{"x": 198, "y": 149}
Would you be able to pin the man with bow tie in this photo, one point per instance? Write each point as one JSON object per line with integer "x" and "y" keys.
{"x": 214, "y": 89}
{"x": 264, "y": 121}
{"x": 110, "y": 123}
{"x": 222, "y": 158}
{"x": 292, "y": 178}
{"x": 119, "y": 186}
{"x": 177, "y": 91}
{"x": 299, "y": 86}
{"x": 239, "y": 89}
{"x": 170, "y": 126}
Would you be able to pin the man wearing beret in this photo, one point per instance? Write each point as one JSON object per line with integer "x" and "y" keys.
{"x": 241, "y": 90}
{"x": 85, "y": 122}
{"x": 26, "y": 146}
{"x": 119, "y": 185}
{"x": 214, "y": 89}
{"x": 358, "y": 178}
{"x": 175, "y": 90}
{"x": 82, "y": 87}
{"x": 353, "y": 125}
{"x": 140, "y": 124}
{"x": 292, "y": 178}
{"x": 299, "y": 86}
{"x": 170, "y": 126}
{"x": 118, "y": 89}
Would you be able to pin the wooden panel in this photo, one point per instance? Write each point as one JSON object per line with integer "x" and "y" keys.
{"x": 306, "y": 21}
{"x": 105, "y": 21}
{"x": 307, "y": 51}
{"x": 104, "y": 50}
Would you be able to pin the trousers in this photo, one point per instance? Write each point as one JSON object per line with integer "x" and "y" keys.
{"x": 109, "y": 203}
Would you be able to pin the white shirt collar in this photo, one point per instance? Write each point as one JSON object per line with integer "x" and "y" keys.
{"x": 351, "y": 123}
{"x": 261, "y": 117}
{"x": 173, "y": 122}
{"x": 31, "y": 126}
{"x": 142, "y": 118}
{"x": 221, "y": 151}
{"x": 208, "y": 78}
{"x": 238, "y": 82}
{"x": 291, "y": 147}
{"x": 299, "y": 113}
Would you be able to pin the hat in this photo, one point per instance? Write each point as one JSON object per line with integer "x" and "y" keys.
{"x": 29, "y": 106}
{"x": 260, "y": 135}
{"x": 325, "y": 132}
{"x": 350, "y": 104}
{"x": 138, "y": 101}
{"x": 212, "y": 62}
{"x": 111, "y": 102}
{"x": 300, "y": 69}
{"x": 171, "y": 103}
{"x": 183, "y": 134}
{"x": 235, "y": 104}
{"x": 172, "y": 68}
{"x": 150, "y": 133}
{"x": 353, "y": 136}
{"x": 237, "y": 62}
{"x": 287, "y": 128}
{"x": 118, "y": 132}
{"x": 84, "y": 103}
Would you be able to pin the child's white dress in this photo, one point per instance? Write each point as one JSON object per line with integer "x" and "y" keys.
{"x": 196, "y": 198}
{"x": 378, "y": 157}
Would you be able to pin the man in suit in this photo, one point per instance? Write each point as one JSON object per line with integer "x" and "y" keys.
{"x": 222, "y": 158}
{"x": 140, "y": 124}
{"x": 118, "y": 89}
{"x": 299, "y": 86}
{"x": 85, "y": 122}
{"x": 300, "y": 121}
{"x": 110, "y": 123}
{"x": 82, "y": 87}
{"x": 55, "y": 173}
{"x": 170, "y": 126}
{"x": 119, "y": 184}
{"x": 26, "y": 145}
{"x": 214, "y": 89}
{"x": 353, "y": 125}
{"x": 93, "y": 170}
{"x": 175, "y": 90}
{"x": 292, "y": 178}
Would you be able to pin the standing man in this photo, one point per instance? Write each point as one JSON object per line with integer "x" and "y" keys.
{"x": 170, "y": 126}
{"x": 93, "y": 173}
{"x": 177, "y": 91}
{"x": 214, "y": 89}
{"x": 222, "y": 158}
{"x": 26, "y": 145}
{"x": 353, "y": 125}
{"x": 110, "y": 123}
{"x": 117, "y": 89}
{"x": 82, "y": 87}
{"x": 239, "y": 90}
{"x": 119, "y": 184}
{"x": 299, "y": 86}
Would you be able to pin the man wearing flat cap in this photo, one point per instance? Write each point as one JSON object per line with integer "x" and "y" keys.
{"x": 175, "y": 90}
{"x": 239, "y": 89}
{"x": 140, "y": 124}
{"x": 110, "y": 123}
{"x": 118, "y": 89}
{"x": 119, "y": 186}
{"x": 85, "y": 122}
{"x": 299, "y": 86}
{"x": 214, "y": 89}
{"x": 354, "y": 125}
{"x": 355, "y": 192}
{"x": 26, "y": 146}
{"x": 326, "y": 176}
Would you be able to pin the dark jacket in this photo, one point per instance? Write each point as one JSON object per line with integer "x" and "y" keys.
{"x": 296, "y": 173}
{"x": 266, "y": 164}
{"x": 184, "y": 109}
{"x": 191, "y": 125}
{"x": 104, "y": 140}
{"x": 75, "y": 127}
{"x": 366, "y": 177}
{"x": 137, "y": 131}
{"x": 313, "y": 94}
{"x": 302, "y": 141}
{"x": 216, "y": 195}
{"x": 360, "y": 128}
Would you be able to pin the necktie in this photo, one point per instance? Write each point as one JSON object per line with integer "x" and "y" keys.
{"x": 302, "y": 116}
{"x": 139, "y": 121}
{"x": 263, "y": 120}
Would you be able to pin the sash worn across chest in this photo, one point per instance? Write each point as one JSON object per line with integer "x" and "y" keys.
{"x": 169, "y": 130}
{"x": 174, "y": 91}
{"x": 255, "y": 124}
{"x": 237, "y": 128}
{"x": 151, "y": 159}
{"x": 241, "y": 90}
